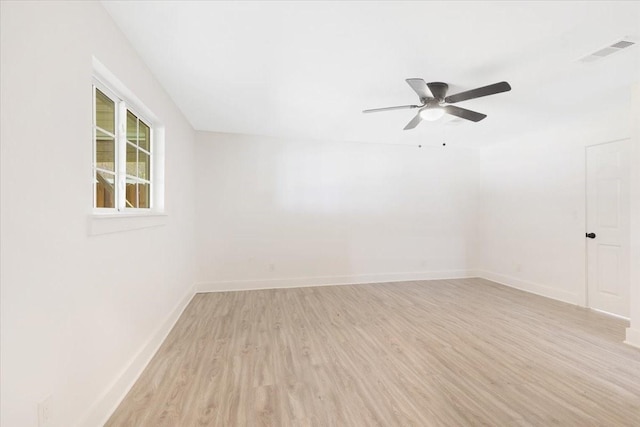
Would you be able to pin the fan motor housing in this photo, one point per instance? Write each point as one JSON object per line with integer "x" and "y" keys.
{"x": 438, "y": 90}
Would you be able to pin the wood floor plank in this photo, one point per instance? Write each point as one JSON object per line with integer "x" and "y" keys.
{"x": 460, "y": 352}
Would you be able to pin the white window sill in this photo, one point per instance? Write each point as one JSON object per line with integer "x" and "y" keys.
{"x": 105, "y": 223}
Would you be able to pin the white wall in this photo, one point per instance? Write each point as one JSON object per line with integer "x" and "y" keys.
{"x": 532, "y": 204}
{"x": 276, "y": 212}
{"x": 80, "y": 313}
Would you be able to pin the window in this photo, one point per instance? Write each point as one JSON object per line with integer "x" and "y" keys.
{"x": 138, "y": 171}
{"x": 123, "y": 155}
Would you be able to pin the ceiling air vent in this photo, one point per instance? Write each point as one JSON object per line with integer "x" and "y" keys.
{"x": 599, "y": 54}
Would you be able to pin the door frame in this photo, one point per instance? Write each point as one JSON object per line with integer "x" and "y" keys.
{"x": 586, "y": 249}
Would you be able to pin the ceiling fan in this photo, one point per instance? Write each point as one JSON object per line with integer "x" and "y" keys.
{"x": 433, "y": 101}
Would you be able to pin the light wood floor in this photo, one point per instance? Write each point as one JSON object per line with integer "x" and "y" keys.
{"x": 434, "y": 353}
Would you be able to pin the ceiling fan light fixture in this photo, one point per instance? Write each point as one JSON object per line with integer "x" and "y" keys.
{"x": 431, "y": 114}
{"x": 434, "y": 102}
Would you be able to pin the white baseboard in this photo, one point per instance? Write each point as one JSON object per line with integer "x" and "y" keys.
{"x": 534, "y": 288}
{"x": 301, "y": 282}
{"x": 106, "y": 404}
{"x": 633, "y": 337}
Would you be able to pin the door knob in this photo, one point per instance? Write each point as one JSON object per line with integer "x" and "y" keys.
{"x": 591, "y": 235}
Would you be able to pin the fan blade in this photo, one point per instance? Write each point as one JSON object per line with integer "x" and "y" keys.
{"x": 464, "y": 113}
{"x": 420, "y": 87}
{"x": 399, "y": 107}
{"x": 414, "y": 122}
{"x": 479, "y": 92}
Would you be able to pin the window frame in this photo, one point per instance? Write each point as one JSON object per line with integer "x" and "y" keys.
{"x": 95, "y": 128}
{"x": 122, "y": 105}
{"x": 149, "y": 152}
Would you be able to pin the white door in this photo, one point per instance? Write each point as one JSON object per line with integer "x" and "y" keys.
{"x": 608, "y": 230}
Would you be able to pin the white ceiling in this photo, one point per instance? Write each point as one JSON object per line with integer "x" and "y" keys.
{"x": 308, "y": 69}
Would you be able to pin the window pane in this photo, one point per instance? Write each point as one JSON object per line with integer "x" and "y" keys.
{"x": 105, "y": 190}
{"x": 144, "y": 165}
{"x": 132, "y": 127}
{"x": 105, "y": 112}
{"x": 131, "y": 195}
{"x": 143, "y": 195}
{"x": 132, "y": 161}
{"x": 105, "y": 151}
{"x": 144, "y": 136}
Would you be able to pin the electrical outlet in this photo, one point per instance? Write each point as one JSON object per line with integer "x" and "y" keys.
{"x": 44, "y": 412}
